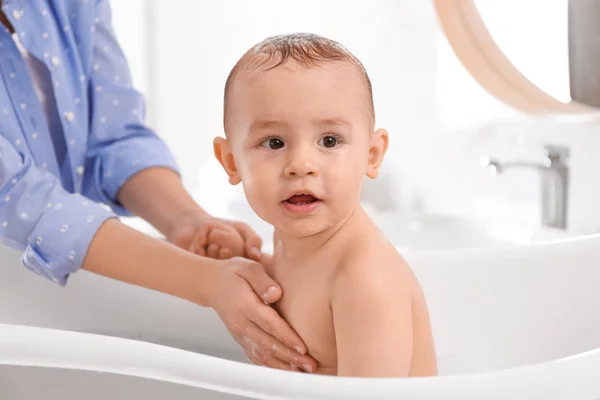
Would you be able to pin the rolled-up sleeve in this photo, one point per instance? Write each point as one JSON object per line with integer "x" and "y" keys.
{"x": 53, "y": 227}
{"x": 120, "y": 144}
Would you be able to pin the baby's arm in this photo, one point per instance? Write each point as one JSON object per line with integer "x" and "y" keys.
{"x": 371, "y": 305}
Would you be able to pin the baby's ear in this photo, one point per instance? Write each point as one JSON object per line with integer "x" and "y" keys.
{"x": 377, "y": 149}
{"x": 223, "y": 153}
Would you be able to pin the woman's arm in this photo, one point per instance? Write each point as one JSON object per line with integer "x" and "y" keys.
{"x": 122, "y": 253}
{"x": 158, "y": 196}
{"x": 236, "y": 289}
{"x": 371, "y": 305}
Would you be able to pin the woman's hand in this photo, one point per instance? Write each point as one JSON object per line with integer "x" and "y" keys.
{"x": 202, "y": 234}
{"x": 241, "y": 294}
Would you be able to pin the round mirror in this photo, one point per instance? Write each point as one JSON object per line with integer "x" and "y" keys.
{"x": 535, "y": 55}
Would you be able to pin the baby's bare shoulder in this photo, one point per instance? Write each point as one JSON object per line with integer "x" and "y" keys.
{"x": 373, "y": 251}
{"x": 375, "y": 263}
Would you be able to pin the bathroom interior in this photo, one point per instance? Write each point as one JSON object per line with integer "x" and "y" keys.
{"x": 489, "y": 186}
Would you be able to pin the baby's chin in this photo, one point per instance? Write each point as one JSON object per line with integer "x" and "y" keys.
{"x": 299, "y": 232}
{"x": 301, "y": 229}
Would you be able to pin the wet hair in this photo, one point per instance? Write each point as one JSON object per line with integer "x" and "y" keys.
{"x": 306, "y": 49}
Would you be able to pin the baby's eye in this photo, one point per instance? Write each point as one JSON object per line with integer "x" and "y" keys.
{"x": 328, "y": 141}
{"x": 273, "y": 143}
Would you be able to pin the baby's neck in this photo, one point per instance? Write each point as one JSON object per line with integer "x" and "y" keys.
{"x": 295, "y": 249}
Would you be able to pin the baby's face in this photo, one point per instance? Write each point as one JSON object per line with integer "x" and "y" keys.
{"x": 301, "y": 141}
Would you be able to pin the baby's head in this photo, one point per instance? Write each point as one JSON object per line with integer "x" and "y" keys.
{"x": 299, "y": 125}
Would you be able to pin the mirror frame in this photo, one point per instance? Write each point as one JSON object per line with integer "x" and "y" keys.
{"x": 480, "y": 55}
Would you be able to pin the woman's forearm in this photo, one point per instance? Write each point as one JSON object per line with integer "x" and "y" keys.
{"x": 122, "y": 253}
{"x": 158, "y": 196}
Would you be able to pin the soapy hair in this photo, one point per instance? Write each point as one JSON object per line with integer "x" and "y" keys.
{"x": 306, "y": 49}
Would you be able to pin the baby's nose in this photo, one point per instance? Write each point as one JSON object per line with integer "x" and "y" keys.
{"x": 301, "y": 165}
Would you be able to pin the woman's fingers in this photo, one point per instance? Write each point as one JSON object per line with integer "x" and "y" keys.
{"x": 198, "y": 245}
{"x": 241, "y": 288}
{"x": 261, "y": 283}
{"x": 274, "y": 362}
{"x": 263, "y": 349}
{"x": 252, "y": 242}
{"x": 220, "y": 244}
{"x": 228, "y": 238}
{"x": 225, "y": 254}
{"x": 278, "y": 338}
{"x": 213, "y": 251}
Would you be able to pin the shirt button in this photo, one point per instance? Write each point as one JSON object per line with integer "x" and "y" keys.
{"x": 55, "y": 61}
{"x": 80, "y": 170}
{"x": 70, "y": 116}
{"x": 17, "y": 14}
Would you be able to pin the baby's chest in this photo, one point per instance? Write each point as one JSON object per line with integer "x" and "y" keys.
{"x": 305, "y": 306}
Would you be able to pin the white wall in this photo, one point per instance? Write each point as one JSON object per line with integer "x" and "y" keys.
{"x": 441, "y": 122}
{"x": 198, "y": 43}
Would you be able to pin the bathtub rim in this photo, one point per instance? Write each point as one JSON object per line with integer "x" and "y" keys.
{"x": 30, "y": 346}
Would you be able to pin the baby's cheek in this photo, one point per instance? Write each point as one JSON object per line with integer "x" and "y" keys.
{"x": 347, "y": 180}
{"x": 261, "y": 199}
{"x": 347, "y": 189}
{"x": 255, "y": 171}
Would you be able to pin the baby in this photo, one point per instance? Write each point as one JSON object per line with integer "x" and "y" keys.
{"x": 299, "y": 125}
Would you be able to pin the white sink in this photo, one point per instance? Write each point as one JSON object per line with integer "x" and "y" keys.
{"x": 446, "y": 232}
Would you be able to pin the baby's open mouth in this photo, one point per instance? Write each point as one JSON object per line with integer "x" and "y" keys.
{"x": 302, "y": 199}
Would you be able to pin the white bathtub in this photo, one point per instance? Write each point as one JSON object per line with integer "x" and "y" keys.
{"x": 520, "y": 322}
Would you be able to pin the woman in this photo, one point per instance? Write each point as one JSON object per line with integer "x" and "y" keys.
{"x": 72, "y": 136}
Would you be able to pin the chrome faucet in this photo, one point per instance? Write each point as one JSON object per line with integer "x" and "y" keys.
{"x": 554, "y": 171}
